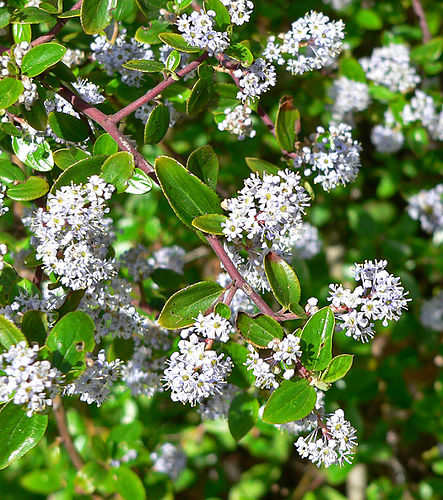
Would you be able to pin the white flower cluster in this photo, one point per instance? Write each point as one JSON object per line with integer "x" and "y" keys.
{"x": 338, "y": 4}
{"x": 217, "y": 406}
{"x": 3, "y": 208}
{"x": 143, "y": 112}
{"x": 336, "y": 445}
{"x": 348, "y": 96}
{"x": 195, "y": 373}
{"x": 431, "y": 314}
{"x": 94, "y": 383}
{"x": 286, "y": 351}
{"x": 27, "y": 381}
{"x": 255, "y": 80}
{"x": 313, "y": 42}
{"x": 422, "y": 108}
{"x": 212, "y": 326}
{"x": 88, "y": 91}
{"x": 239, "y": 10}
{"x": 198, "y": 30}
{"x": 264, "y": 378}
{"x": 390, "y": 66}
{"x": 113, "y": 55}
{"x": 333, "y": 156}
{"x": 3, "y": 251}
{"x": 238, "y": 122}
{"x": 25, "y": 301}
{"x": 169, "y": 459}
{"x": 302, "y": 242}
{"x": 379, "y": 297}
{"x": 427, "y": 207}
{"x": 72, "y": 236}
{"x": 266, "y": 208}
{"x": 73, "y": 57}
{"x": 386, "y": 139}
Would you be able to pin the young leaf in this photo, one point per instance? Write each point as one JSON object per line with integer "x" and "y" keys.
{"x": 42, "y": 57}
{"x": 177, "y": 42}
{"x": 157, "y": 124}
{"x": 66, "y": 157}
{"x": 287, "y": 124}
{"x": 200, "y": 95}
{"x": 95, "y": 15}
{"x": 223, "y": 310}
{"x": 337, "y": 368}
{"x": 10, "y": 334}
{"x": 186, "y": 193}
{"x": 243, "y": 414}
{"x": 79, "y": 172}
{"x": 316, "y": 340}
{"x": 31, "y": 189}
{"x": 283, "y": 280}
{"x": 68, "y": 127}
{"x": 182, "y": 308}
{"x": 210, "y": 223}
{"x": 117, "y": 170}
{"x": 18, "y": 432}
{"x": 258, "y": 330}
{"x": 104, "y": 145}
{"x": 203, "y": 162}
{"x": 290, "y": 402}
{"x": 10, "y": 90}
{"x": 260, "y": 166}
{"x": 70, "y": 339}
{"x": 173, "y": 60}
{"x": 145, "y": 66}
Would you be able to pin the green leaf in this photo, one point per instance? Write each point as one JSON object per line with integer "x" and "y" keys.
{"x": 418, "y": 140}
{"x": 287, "y": 124}
{"x": 240, "y": 53}
{"x": 428, "y": 52}
{"x": 382, "y": 93}
{"x": 173, "y": 60}
{"x": 368, "y": 19}
{"x": 203, "y": 162}
{"x": 10, "y": 90}
{"x": 150, "y": 35}
{"x": 95, "y": 15}
{"x": 68, "y": 127}
{"x": 18, "y": 432}
{"x": 104, "y": 145}
{"x": 139, "y": 183}
{"x": 37, "y": 116}
{"x": 71, "y": 302}
{"x": 222, "y": 18}
{"x": 31, "y": 15}
{"x": 66, "y": 157}
{"x": 210, "y": 223}
{"x": 10, "y": 334}
{"x": 10, "y": 173}
{"x": 21, "y": 33}
{"x": 186, "y": 193}
{"x": 22, "y": 286}
{"x": 258, "y": 330}
{"x": 145, "y": 66}
{"x": 201, "y": 93}
{"x": 316, "y": 340}
{"x": 183, "y": 307}
{"x": 35, "y": 326}
{"x": 177, "y": 42}
{"x": 260, "y": 166}
{"x": 351, "y": 68}
{"x": 243, "y": 414}
{"x": 123, "y": 10}
{"x": 128, "y": 484}
{"x": 70, "y": 339}
{"x": 70, "y": 14}
{"x": 42, "y": 481}
{"x": 337, "y": 368}
{"x": 31, "y": 189}
{"x": 10, "y": 129}
{"x": 240, "y": 376}
{"x": 290, "y": 402}
{"x": 223, "y": 310}
{"x": 283, "y": 280}
{"x": 157, "y": 124}
{"x": 37, "y": 156}
{"x": 118, "y": 169}
{"x": 79, "y": 172}
{"x": 42, "y": 57}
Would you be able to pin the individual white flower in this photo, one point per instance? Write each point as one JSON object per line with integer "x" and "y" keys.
{"x": 238, "y": 122}
{"x": 427, "y": 207}
{"x": 212, "y": 326}
{"x": 169, "y": 459}
{"x": 431, "y": 314}
{"x": 286, "y": 350}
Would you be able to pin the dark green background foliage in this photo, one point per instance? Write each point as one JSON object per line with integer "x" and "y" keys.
{"x": 392, "y": 394}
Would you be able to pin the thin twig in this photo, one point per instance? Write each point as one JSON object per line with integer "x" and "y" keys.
{"x": 420, "y": 13}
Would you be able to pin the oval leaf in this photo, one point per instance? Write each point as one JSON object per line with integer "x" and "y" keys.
{"x": 66, "y": 157}
{"x": 139, "y": 183}
{"x": 68, "y": 127}
{"x": 261, "y": 166}
{"x": 31, "y": 189}
{"x": 10, "y": 334}
{"x": 104, "y": 145}
{"x": 157, "y": 124}
{"x": 203, "y": 162}
{"x": 337, "y": 368}
{"x": 210, "y": 223}
{"x": 243, "y": 414}
{"x": 177, "y": 42}
{"x": 240, "y": 53}
{"x": 287, "y": 124}
{"x": 79, "y": 172}
{"x": 42, "y": 57}
{"x": 283, "y": 280}
{"x": 316, "y": 340}
{"x": 118, "y": 169}
{"x": 95, "y": 15}
{"x": 10, "y": 90}
{"x": 145, "y": 66}
{"x": 128, "y": 485}
{"x": 200, "y": 95}
{"x": 258, "y": 330}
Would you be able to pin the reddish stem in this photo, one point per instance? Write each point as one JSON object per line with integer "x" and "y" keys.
{"x": 420, "y": 13}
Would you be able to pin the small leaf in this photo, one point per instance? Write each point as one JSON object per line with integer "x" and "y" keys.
{"x": 10, "y": 334}
{"x": 42, "y": 57}
{"x": 200, "y": 95}
{"x": 139, "y": 183}
{"x": 118, "y": 169}
{"x": 37, "y": 156}
{"x": 177, "y": 42}
{"x": 31, "y": 15}
{"x": 68, "y": 127}
{"x": 79, "y": 173}
{"x": 150, "y": 35}
{"x": 18, "y": 432}
{"x": 10, "y": 90}
{"x": 316, "y": 340}
{"x": 35, "y": 326}
{"x": 157, "y": 124}
{"x": 31, "y": 189}
{"x": 258, "y": 330}
{"x": 223, "y": 310}
{"x": 128, "y": 485}
{"x": 210, "y": 223}
{"x": 337, "y": 368}
{"x": 183, "y": 307}
{"x": 66, "y": 157}
{"x": 104, "y": 145}
{"x": 21, "y": 33}
{"x": 287, "y": 124}
{"x": 351, "y": 68}
{"x": 203, "y": 162}
{"x": 283, "y": 280}
{"x": 260, "y": 166}
{"x": 95, "y": 15}
{"x": 173, "y": 60}
{"x": 70, "y": 339}
{"x": 243, "y": 414}
{"x": 240, "y": 53}
{"x": 368, "y": 19}
{"x": 290, "y": 402}
{"x": 36, "y": 116}
{"x": 42, "y": 481}
{"x": 145, "y": 66}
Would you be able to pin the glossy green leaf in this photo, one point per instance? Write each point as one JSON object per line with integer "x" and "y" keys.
{"x": 21, "y": 33}
{"x": 70, "y": 14}
{"x": 9, "y": 333}
{"x": 118, "y": 169}
{"x": 337, "y": 368}
{"x": 418, "y": 140}
{"x": 10, "y": 129}
{"x": 105, "y": 145}
{"x": 173, "y": 60}
{"x": 35, "y": 326}
{"x": 139, "y": 183}
{"x": 223, "y": 310}
{"x": 203, "y": 162}
{"x": 10, "y": 90}
{"x": 290, "y": 402}
{"x": 351, "y": 68}
{"x": 183, "y": 307}
{"x": 70, "y": 339}
{"x": 177, "y": 42}
{"x": 243, "y": 414}
{"x": 18, "y": 432}
{"x": 186, "y": 193}
{"x": 31, "y": 189}
{"x": 66, "y": 157}
{"x": 283, "y": 280}
{"x": 287, "y": 124}
{"x": 42, "y": 481}
{"x": 22, "y": 286}
{"x": 10, "y": 173}
{"x": 201, "y": 93}
{"x": 68, "y": 127}
{"x": 316, "y": 340}
{"x": 31, "y": 15}
{"x": 258, "y": 330}
{"x": 240, "y": 53}
{"x": 428, "y": 52}
{"x": 150, "y": 34}
{"x": 145, "y": 66}
{"x": 210, "y": 223}
{"x": 128, "y": 484}
{"x": 260, "y": 166}
{"x": 222, "y": 18}
{"x": 36, "y": 116}
{"x": 123, "y": 10}
{"x": 42, "y": 57}
{"x": 157, "y": 124}
{"x": 79, "y": 173}
{"x": 95, "y": 15}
